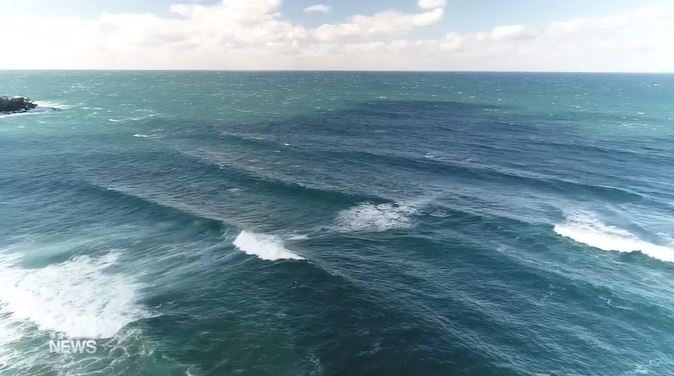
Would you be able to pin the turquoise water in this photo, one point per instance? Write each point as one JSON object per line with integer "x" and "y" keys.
{"x": 212, "y": 223}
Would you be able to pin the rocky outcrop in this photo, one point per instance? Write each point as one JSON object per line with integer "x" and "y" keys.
{"x": 16, "y": 104}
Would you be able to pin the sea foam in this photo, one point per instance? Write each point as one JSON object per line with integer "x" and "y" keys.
{"x": 80, "y": 298}
{"x": 52, "y": 105}
{"x": 587, "y": 229}
{"x": 369, "y": 217}
{"x": 265, "y": 247}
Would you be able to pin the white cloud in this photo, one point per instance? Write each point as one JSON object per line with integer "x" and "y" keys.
{"x": 432, "y": 4}
{"x": 389, "y": 22}
{"x": 384, "y": 23}
{"x": 253, "y": 34}
{"x": 318, "y": 8}
{"x": 637, "y": 41}
{"x": 512, "y": 32}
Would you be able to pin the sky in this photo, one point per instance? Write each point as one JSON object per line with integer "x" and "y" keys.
{"x": 437, "y": 35}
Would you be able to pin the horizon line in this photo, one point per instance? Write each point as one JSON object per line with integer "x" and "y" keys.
{"x": 327, "y": 71}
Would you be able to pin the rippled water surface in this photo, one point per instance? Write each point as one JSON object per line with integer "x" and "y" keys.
{"x": 211, "y": 223}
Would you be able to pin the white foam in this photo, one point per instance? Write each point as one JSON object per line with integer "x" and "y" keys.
{"x": 266, "y": 247}
{"x": 376, "y": 218}
{"x": 80, "y": 297}
{"x": 132, "y": 118}
{"x": 8, "y": 333}
{"x": 35, "y": 111}
{"x": 140, "y": 135}
{"x": 3, "y": 116}
{"x": 52, "y": 105}
{"x": 587, "y": 229}
{"x": 299, "y": 237}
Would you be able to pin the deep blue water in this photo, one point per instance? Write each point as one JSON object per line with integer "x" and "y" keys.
{"x": 298, "y": 223}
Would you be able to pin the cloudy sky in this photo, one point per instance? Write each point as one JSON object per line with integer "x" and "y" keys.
{"x": 511, "y": 35}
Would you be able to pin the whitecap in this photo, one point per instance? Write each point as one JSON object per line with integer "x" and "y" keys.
{"x": 299, "y": 237}
{"x": 131, "y": 118}
{"x": 369, "y": 217}
{"x": 265, "y": 247}
{"x": 588, "y": 229}
{"x": 81, "y": 298}
{"x": 52, "y": 105}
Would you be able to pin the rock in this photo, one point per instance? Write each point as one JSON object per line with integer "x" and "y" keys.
{"x": 16, "y": 104}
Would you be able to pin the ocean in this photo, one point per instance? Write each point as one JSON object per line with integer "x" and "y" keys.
{"x": 337, "y": 223}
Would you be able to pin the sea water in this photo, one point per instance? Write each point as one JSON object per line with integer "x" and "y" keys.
{"x": 338, "y": 223}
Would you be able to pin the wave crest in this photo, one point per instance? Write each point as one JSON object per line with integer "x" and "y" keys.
{"x": 53, "y": 105}
{"x": 79, "y": 297}
{"x": 587, "y": 229}
{"x": 265, "y": 247}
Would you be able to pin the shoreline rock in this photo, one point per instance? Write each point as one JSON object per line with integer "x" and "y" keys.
{"x": 15, "y": 104}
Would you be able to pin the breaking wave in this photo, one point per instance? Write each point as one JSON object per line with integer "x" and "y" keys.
{"x": 587, "y": 229}
{"x": 81, "y": 297}
{"x": 265, "y": 247}
{"x": 52, "y": 105}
